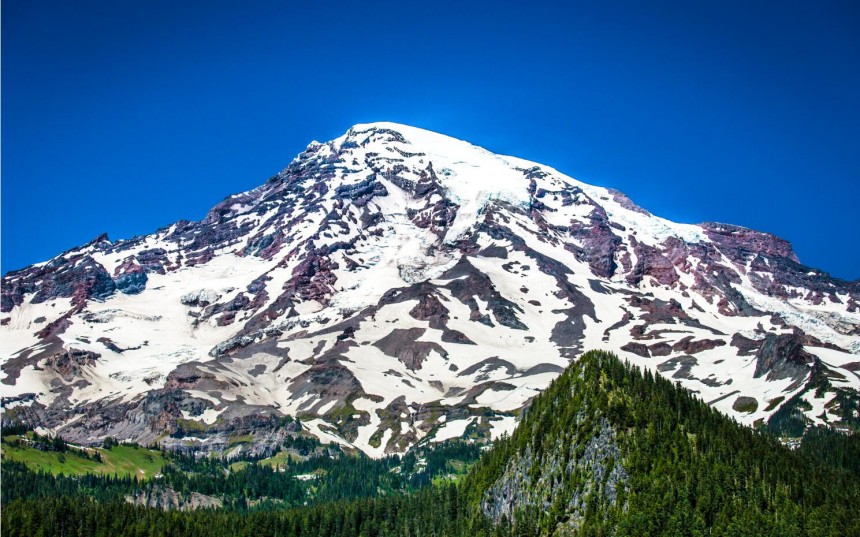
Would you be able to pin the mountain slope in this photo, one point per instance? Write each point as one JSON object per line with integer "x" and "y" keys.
{"x": 604, "y": 450}
{"x": 395, "y": 285}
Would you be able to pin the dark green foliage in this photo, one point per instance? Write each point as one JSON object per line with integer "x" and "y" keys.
{"x": 303, "y": 445}
{"x": 849, "y": 404}
{"x": 693, "y": 471}
{"x": 833, "y": 449}
{"x": 19, "y": 482}
{"x": 13, "y": 428}
{"x": 423, "y": 463}
{"x": 49, "y": 443}
{"x": 789, "y": 420}
{"x": 256, "y": 484}
{"x": 429, "y": 512}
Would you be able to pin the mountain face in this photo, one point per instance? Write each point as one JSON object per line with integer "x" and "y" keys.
{"x": 603, "y": 450}
{"x": 395, "y": 285}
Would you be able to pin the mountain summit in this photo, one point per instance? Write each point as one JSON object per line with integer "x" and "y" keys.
{"x": 394, "y": 286}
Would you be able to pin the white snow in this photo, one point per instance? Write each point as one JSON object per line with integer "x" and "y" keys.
{"x": 452, "y": 429}
{"x": 502, "y": 425}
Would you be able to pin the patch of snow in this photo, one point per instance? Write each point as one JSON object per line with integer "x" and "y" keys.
{"x": 452, "y": 429}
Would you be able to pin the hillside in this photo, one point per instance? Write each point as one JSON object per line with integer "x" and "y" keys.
{"x": 605, "y": 450}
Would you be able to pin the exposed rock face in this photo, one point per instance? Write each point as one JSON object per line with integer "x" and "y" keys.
{"x": 403, "y": 344}
{"x": 70, "y": 363}
{"x": 599, "y": 460}
{"x": 130, "y": 277}
{"x": 395, "y": 283}
{"x": 651, "y": 261}
{"x": 782, "y": 356}
{"x": 745, "y": 404}
{"x": 741, "y": 244}
{"x": 168, "y": 499}
{"x": 599, "y": 243}
{"x": 688, "y": 345}
{"x": 78, "y": 277}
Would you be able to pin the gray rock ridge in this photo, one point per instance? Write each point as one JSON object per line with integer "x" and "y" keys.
{"x": 596, "y": 468}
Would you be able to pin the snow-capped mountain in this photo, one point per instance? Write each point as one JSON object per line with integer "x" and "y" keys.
{"x": 396, "y": 285}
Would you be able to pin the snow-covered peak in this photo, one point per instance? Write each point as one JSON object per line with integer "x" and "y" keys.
{"x": 397, "y": 285}
{"x": 473, "y": 176}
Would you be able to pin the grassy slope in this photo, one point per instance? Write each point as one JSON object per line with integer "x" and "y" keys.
{"x": 120, "y": 460}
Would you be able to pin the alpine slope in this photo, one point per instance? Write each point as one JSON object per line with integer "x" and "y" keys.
{"x": 396, "y": 286}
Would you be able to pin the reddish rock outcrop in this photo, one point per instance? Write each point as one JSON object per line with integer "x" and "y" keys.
{"x": 70, "y": 362}
{"x": 782, "y": 356}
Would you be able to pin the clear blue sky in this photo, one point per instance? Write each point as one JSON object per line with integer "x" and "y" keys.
{"x": 127, "y": 116}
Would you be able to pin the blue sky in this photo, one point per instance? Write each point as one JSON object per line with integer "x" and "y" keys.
{"x": 127, "y": 116}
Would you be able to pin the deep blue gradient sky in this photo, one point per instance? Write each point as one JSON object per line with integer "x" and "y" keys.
{"x": 127, "y": 116}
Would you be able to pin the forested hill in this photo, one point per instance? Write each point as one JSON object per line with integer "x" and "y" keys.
{"x": 608, "y": 449}
{"x": 605, "y": 450}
